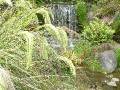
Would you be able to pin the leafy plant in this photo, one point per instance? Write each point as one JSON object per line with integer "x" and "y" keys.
{"x": 71, "y": 55}
{"x": 116, "y": 24}
{"x": 83, "y": 49}
{"x": 118, "y": 56}
{"x": 81, "y": 9}
{"x": 106, "y": 7}
{"x": 94, "y": 65}
{"x": 29, "y": 46}
{"x": 69, "y": 63}
{"x": 97, "y": 32}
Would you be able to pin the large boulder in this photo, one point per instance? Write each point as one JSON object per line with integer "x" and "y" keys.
{"x": 108, "y": 60}
{"x": 5, "y": 80}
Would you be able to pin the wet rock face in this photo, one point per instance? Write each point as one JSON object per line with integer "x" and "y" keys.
{"x": 108, "y": 60}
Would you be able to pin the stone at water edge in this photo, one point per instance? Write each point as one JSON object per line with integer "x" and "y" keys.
{"x": 6, "y": 80}
{"x": 112, "y": 82}
{"x": 108, "y": 60}
{"x": 115, "y": 79}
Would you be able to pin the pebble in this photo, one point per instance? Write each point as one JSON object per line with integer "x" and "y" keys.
{"x": 112, "y": 82}
{"x": 115, "y": 79}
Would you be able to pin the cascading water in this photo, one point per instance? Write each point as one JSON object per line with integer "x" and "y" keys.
{"x": 64, "y": 15}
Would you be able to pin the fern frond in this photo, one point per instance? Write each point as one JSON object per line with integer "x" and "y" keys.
{"x": 42, "y": 46}
{"x": 29, "y": 37}
{"x": 45, "y": 14}
{"x": 69, "y": 63}
{"x": 59, "y": 34}
{"x": 63, "y": 38}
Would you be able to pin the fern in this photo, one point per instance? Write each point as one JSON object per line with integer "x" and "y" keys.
{"x": 58, "y": 33}
{"x": 18, "y": 46}
{"x": 63, "y": 38}
{"x": 42, "y": 46}
{"x": 29, "y": 37}
{"x": 45, "y": 14}
{"x": 69, "y": 63}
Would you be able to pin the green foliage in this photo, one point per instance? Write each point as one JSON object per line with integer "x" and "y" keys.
{"x": 74, "y": 57}
{"x": 81, "y": 9}
{"x": 83, "y": 49}
{"x": 64, "y": 40}
{"x": 116, "y": 24}
{"x": 57, "y": 33}
{"x": 25, "y": 52}
{"x": 94, "y": 65}
{"x": 43, "y": 2}
{"x": 29, "y": 37}
{"x": 69, "y": 63}
{"x": 106, "y": 7}
{"x": 97, "y": 32}
{"x": 118, "y": 56}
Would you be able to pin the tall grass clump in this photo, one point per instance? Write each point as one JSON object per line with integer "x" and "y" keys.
{"x": 25, "y": 51}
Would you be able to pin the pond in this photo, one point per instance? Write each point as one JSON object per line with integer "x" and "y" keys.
{"x": 95, "y": 80}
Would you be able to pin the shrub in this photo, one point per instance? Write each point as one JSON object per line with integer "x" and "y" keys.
{"x": 97, "y": 32}
{"x": 107, "y": 7}
{"x": 81, "y": 9}
{"x": 86, "y": 52}
{"x": 116, "y": 24}
{"x": 83, "y": 49}
{"x": 70, "y": 54}
{"x": 94, "y": 65}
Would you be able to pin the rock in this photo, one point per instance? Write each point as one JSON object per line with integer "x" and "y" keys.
{"x": 115, "y": 79}
{"x": 112, "y": 84}
{"x": 108, "y": 60}
{"x": 5, "y": 80}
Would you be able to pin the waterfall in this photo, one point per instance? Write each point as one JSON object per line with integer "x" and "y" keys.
{"x": 64, "y": 15}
